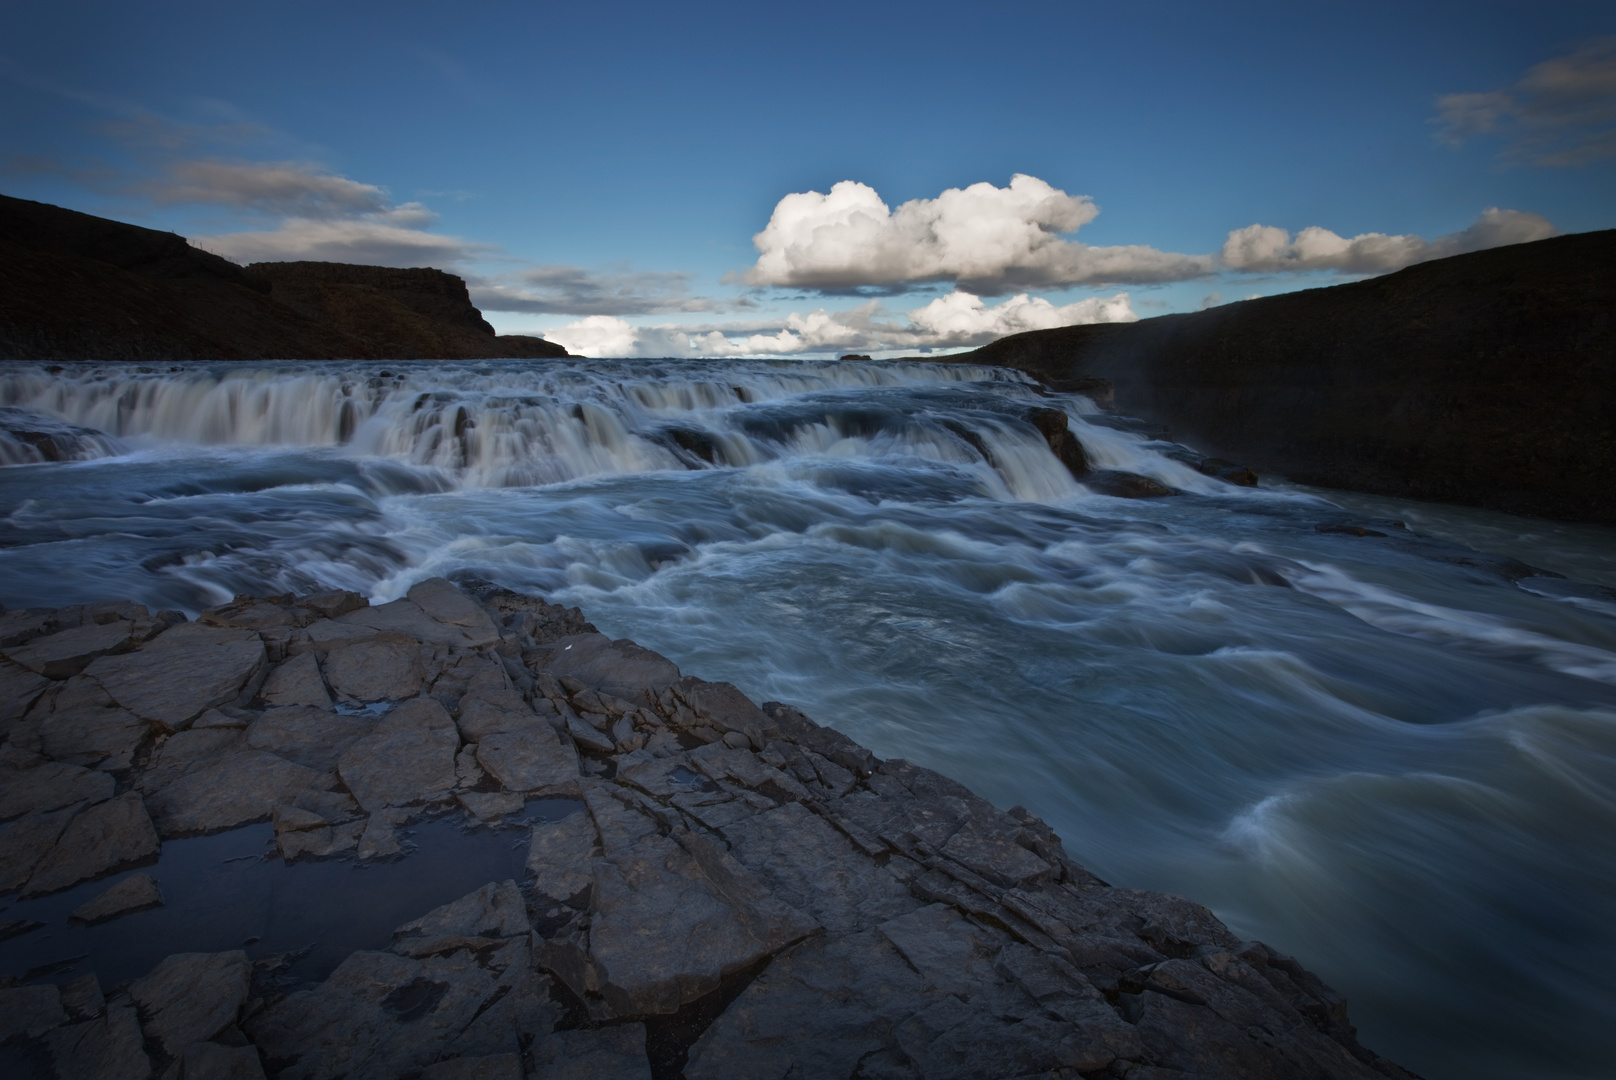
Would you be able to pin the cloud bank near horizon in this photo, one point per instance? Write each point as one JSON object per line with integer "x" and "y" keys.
{"x": 989, "y": 240}
{"x": 957, "y": 320}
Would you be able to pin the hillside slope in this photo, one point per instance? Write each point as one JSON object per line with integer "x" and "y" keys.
{"x": 78, "y": 287}
{"x": 1486, "y": 379}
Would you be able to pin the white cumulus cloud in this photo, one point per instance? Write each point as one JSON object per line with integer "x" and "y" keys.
{"x": 988, "y": 240}
{"x": 949, "y": 322}
{"x": 1267, "y": 248}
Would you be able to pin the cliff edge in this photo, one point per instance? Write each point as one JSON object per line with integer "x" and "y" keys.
{"x": 78, "y": 287}
{"x": 1486, "y": 379}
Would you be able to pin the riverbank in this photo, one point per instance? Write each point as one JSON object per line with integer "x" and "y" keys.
{"x": 718, "y": 890}
{"x": 1486, "y": 379}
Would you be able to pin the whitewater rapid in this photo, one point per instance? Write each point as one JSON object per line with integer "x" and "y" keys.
{"x": 1394, "y": 755}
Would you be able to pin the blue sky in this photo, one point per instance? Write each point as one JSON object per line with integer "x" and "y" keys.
{"x": 609, "y": 165}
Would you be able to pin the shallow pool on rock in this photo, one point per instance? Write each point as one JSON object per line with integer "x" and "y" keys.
{"x": 231, "y": 891}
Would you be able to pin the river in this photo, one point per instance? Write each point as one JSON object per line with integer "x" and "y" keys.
{"x": 1393, "y": 756}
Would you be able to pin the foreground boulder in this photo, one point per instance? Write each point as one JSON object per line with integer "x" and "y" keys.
{"x": 727, "y": 890}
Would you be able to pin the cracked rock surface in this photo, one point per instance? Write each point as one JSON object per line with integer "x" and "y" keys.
{"x": 730, "y": 890}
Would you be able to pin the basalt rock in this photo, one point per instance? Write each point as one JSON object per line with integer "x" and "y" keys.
{"x": 736, "y": 891}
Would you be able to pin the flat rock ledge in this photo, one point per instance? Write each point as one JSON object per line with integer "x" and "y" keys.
{"x": 740, "y": 892}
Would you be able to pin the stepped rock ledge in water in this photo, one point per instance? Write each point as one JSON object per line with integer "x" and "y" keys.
{"x": 714, "y": 889}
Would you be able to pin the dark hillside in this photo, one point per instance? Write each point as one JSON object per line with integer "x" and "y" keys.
{"x": 1486, "y": 379}
{"x": 78, "y": 287}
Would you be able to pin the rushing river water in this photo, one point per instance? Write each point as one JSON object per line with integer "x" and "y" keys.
{"x": 1393, "y": 756}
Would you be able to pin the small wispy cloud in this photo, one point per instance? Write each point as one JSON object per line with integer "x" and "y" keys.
{"x": 1560, "y": 114}
{"x": 288, "y": 188}
{"x": 572, "y": 290}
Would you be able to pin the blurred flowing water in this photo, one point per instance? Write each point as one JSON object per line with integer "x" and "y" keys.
{"x": 1393, "y": 756}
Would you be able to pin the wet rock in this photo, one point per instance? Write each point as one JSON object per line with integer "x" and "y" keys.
{"x": 994, "y": 854}
{"x": 219, "y": 718}
{"x": 137, "y": 892}
{"x": 100, "y": 840}
{"x": 491, "y": 807}
{"x": 468, "y": 774}
{"x": 380, "y": 838}
{"x": 333, "y": 806}
{"x": 110, "y": 1047}
{"x": 82, "y": 999}
{"x": 189, "y": 997}
{"x": 65, "y": 654}
{"x": 586, "y": 735}
{"x": 296, "y": 682}
{"x": 727, "y": 709}
{"x": 19, "y": 689}
{"x": 232, "y": 790}
{"x": 530, "y": 759}
{"x": 29, "y": 1011}
{"x": 381, "y": 670}
{"x": 953, "y": 955}
{"x": 333, "y": 604}
{"x": 439, "y": 599}
{"x": 211, "y": 1061}
{"x": 18, "y": 627}
{"x": 296, "y": 819}
{"x": 617, "y": 1052}
{"x": 321, "y": 841}
{"x": 50, "y": 786}
{"x": 26, "y": 841}
{"x": 1125, "y": 485}
{"x": 309, "y": 736}
{"x": 84, "y": 727}
{"x": 487, "y": 713}
{"x": 814, "y": 868}
{"x": 720, "y": 762}
{"x": 409, "y": 758}
{"x": 817, "y": 1010}
{"x": 191, "y": 667}
{"x": 258, "y": 613}
{"x": 405, "y": 617}
{"x": 621, "y": 667}
{"x": 1055, "y": 427}
{"x": 558, "y": 857}
{"x": 490, "y": 1067}
{"x": 180, "y": 753}
{"x": 493, "y": 911}
{"x": 378, "y": 1015}
{"x": 713, "y": 917}
{"x": 1229, "y": 472}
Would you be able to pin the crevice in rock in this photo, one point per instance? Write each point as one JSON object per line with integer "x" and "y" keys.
{"x": 668, "y": 1039}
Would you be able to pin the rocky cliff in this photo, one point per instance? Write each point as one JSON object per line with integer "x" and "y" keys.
{"x": 78, "y": 287}
{"x": 712, "y": 889}
{"x": 1486, "y": 379}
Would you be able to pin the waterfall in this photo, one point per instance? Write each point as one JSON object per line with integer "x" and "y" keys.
{"x": 519, "y": 424}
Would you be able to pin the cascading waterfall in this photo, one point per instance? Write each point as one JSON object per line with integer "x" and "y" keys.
{"x": 517, "y": 426}
{"x": 1354, "y": 737}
